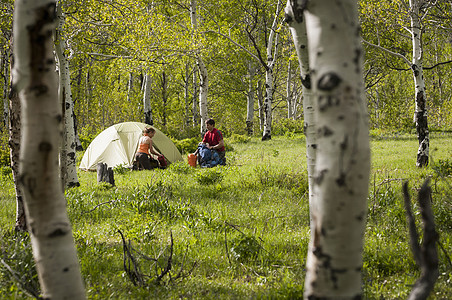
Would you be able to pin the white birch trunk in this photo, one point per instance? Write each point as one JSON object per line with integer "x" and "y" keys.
{"x": 5, "y": 64}
{"x": 203, "y": 92}
{"x": 195, "y": 98}
{"x": 203, "y": 74}
{"x": 419, "y": 84}
{"x": 269, "y": 85}
{"x": 260, "y": 100}
{"x": 250, "y": 101}
{"x": 36, "y": 82}
{"x": 129, "y": 87}
{"x": 289, "y": 94}
{"x": 68, "y": 153}
{"x": 14, "y": 144}
{"x": 342, "y": 168}
{"x": 187, "y": 96}
{"x": 297, "y": 25}
{"x": 164, "y": 97}
{"x": 147, "y": 100}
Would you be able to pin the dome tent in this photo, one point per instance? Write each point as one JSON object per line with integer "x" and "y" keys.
{"x": 117, "y": 145}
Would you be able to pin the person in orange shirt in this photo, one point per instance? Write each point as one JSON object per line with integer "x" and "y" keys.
{"x": 145, "y": 149}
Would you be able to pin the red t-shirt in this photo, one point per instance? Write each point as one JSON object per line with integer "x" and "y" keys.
{"x": 213, "y": 138}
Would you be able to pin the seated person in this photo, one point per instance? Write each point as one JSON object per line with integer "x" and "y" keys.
{"x": 213, "y": 139}
{"x": 145, "y": 149}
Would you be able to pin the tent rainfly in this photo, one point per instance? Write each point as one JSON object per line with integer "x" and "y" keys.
{"x": 117, "y": 145}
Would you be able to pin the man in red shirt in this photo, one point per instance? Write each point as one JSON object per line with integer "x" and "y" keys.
{"x": 213, "y": 139}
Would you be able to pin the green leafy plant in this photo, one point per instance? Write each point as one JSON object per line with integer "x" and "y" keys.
{"x": 245, "y": 248}
{"x": 17, "y": 267}
{"x": 121, "y": 169}
{"x": 209, "y": 176}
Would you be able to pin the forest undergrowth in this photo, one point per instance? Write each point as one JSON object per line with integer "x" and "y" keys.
{"x": 234, "y": 232}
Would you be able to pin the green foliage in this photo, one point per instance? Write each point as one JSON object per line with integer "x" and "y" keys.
{"x": 17, "y": 267}
{"x": 443, "y": 167}
{"x": 286, "y": 126}
{"x": 86, "y": 139}
{"x": 121, "y": 169}
{"x": 186, "y": 146}
{"x": 245, "y": 248}
{"x": 237, "y": 138}
{"x": 181, "y": 167}
{"x": 208, "y": 176}
{"x": 248, "y": 233}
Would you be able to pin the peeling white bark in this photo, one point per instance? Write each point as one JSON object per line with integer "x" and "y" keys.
{"x": 343, "y": 154}
{"x": 36, "y": 82}
{"x": 250, "y": 100}
{"x": 269, "y": 85}
{"x": 68, "y": 153}
{"x": 203, "y": 74}
{"x": 420, "y": 114}
{"x": 147, "y": 100}
{"x": 297, "y": 25}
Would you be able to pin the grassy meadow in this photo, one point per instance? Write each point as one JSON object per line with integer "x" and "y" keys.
{"x": 234, "y": 232}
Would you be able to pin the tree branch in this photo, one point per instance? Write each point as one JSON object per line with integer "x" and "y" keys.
{"x": 388, "y": 51}
{"x": 426, "y": 256}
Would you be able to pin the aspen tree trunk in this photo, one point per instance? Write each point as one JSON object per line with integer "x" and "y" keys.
{"x": 296, "y": 21}
{"x": 68, "y": 153}
{"x": 164, "y": 97}
{"x": 203, "y": 91}
{"x": 342, "y": 168}
{"x": 36, "y": 81}
{"x": 203, "y": 74}
{"x": 269, "y": 90}
{"x": 187, "y": 96}
{"x": 260, "y": 100}
{"x": 5, "y": 65}
{"x": 129, "y": 87}
{"x": 250, "y": 101}
{"x": 419, "y": 83}
{"x": 14, "y": 144}
{"x": 147, "y": 100}
{"x": 195, "y": 98}
{"x": 289, "y": 95}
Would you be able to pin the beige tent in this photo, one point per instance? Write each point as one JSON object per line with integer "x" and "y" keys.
{"x": 117, "y": 145}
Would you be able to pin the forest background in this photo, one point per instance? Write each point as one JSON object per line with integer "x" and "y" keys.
{"x": 113, "y": 45}
{"x": 117, "y": 49}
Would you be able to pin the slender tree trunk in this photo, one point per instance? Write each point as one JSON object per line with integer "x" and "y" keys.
{"x": 187, "y": 96}
{"x": 419, "y": 83}
{"x": 164, "y": 97}
{"x": 14, "y": 144}
{"x": 203, "y": 92}
{"x": 36, "y": 81}
{"x": 334, "y": 261}
{"x": 297, "y": 25}
{"x": 260, "y": 100}
{"x": 129, "y": 87}
{"x": 203, "y": 74}
{"x": 250, "y": 101}
{"x": 269, "y": 84}
{"x": 147, "y": 100}
{"x": 5, "y": 65}
{"x": 68, "y": 153}
{"x": 195, "y": 98}
{"x": 289, "y": 94}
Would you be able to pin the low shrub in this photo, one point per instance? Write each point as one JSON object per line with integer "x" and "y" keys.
{"x": 18, "y": 271}
{"x": 238, "y": 138}
{"x": 187, "y": 145}
{"x": 209, "y": 176}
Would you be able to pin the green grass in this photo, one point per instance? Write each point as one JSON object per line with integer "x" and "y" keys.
{"x": 240, "y": 231}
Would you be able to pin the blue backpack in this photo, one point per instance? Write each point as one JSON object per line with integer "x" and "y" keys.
{"x": 207, "y": 158}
